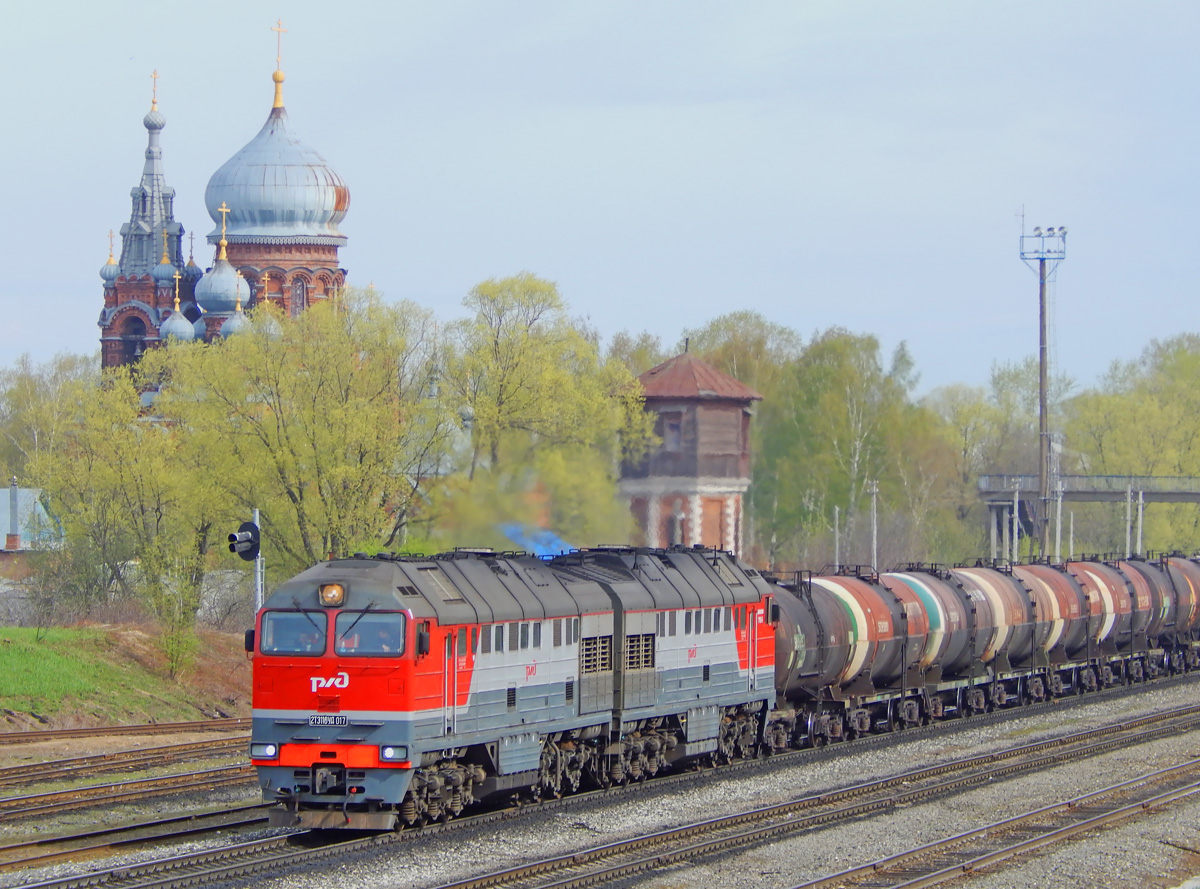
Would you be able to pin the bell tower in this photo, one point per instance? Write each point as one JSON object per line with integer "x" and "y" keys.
{"x": 139, "y": 289}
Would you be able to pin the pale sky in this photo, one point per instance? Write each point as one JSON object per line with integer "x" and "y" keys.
{"x": 860, "y": 164}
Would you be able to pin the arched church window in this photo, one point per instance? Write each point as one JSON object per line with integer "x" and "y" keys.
{"x": 133, "y": 336}
{"x": 299, "y": 295}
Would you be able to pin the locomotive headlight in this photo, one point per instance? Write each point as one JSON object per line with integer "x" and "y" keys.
{"x": 264, "y": 751}
{"x": 393, "y": 753}
{"x": 332, "y": 594}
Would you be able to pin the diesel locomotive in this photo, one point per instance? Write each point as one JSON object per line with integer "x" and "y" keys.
{"x": 397, "y": 690}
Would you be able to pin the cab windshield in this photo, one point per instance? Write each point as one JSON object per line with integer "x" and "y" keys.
{"x": 370, "y": 633}
{"x": 293, "y": 633}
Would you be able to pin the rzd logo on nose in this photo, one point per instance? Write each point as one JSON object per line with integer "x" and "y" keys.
{"x": 341, "y": 680}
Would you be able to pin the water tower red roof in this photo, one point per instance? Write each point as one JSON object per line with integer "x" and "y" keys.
{"x": 686, "y": 376}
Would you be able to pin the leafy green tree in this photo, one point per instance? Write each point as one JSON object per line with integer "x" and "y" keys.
{"x": 32, "y": 416}
{"x": 520, "y": 370}
{"x": 121, "y": 484}
{"x": 328, "y": 422}
{"x": 638, "y": 352}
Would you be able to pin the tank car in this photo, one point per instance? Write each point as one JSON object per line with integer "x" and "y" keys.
{"x": 392, "y": 690}
{"x": 860, "y": 652}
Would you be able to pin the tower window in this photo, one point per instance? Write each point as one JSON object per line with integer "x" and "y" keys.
{"x": 672, "y": 431}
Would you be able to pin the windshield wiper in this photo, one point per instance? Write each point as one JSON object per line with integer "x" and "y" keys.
{"x": 361, "y": 615}
{"x": 307, "y": 616}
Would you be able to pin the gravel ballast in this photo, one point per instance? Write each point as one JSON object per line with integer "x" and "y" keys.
{"x": 1155, "y": 851}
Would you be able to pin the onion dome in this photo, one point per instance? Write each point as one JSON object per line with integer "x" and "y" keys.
{"x": 281, "y": 191}
{"x": 200, "y": 327}
{"x": 110, "y": 270}
{"x": 164, "y": 272}
{"x": 269, "y": 326}
{"x": 236, "y": 323}
{"x": 177, "y": 327}
{"x": 191, "y": 271}
{"x": 154, "y": 119}
{"x": 219, "y": 290}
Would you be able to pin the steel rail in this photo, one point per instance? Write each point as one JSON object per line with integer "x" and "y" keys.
{"x": 64, "y": 847}
{"x": 1068, "y": 819}
{"x": 118, "y": 761}
{"x": 630, "y": 857}
{"x": 252, "y": 858}
{"x": 82, "y": 797}
{"x": 240, "y": 723}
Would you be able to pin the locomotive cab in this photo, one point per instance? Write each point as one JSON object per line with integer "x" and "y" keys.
{"x": 328, "y": 664}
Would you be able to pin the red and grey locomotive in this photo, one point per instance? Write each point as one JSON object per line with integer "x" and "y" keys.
{"x": 398, "y": 690}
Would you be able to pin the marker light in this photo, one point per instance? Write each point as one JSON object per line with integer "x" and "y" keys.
{"x": 332, "y": 594}
{"x": 264, "y": 751}
{"x": 393, "y": 753}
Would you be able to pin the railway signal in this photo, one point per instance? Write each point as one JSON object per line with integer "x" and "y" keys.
{"x": 245, "y": 541}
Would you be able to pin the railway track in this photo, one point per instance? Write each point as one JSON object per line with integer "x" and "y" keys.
{"x": 63, "y": 847}
{"x": 239, "y": 724}
{"x": 732, "y": 833}
{"x": 965, "y": 853}
{"x": 617, "y": 860}
{"x": 82, "y": 797}
{"x": 119, "y": 761}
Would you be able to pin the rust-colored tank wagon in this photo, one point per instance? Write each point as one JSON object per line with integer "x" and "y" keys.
{"x": 1107, "y": 590}
{"x": 951, "y": 645}
{"x": 880, "y": 644}
{"x": 1061, "y": 610}
{"x": 814, "y": 640}
{"x": 1184, "y": 575}
{"x": 1011, "y": 641}
{"x": 1152, "y": 587}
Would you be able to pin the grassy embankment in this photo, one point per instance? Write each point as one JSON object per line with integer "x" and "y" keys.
{"x": 103, "y": 675}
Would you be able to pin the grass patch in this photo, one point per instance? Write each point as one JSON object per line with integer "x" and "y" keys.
{"x": 94, "y": 676}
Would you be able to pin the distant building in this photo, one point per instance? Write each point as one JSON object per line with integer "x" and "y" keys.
{"x": 276, "y": 205}
{"x": 26, "y": 523}
{"x": 690, "y": 490}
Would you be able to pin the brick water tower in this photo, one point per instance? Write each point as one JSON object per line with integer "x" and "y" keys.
{"x": 690, "y": 489}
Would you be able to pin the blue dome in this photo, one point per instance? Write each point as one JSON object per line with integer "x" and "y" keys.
{"x": 154, "y": 119}
{"x": 268, "y": 325}
{"x": 110, "y": 270}
{"x": 218, "y": 290}
{"x": 191, "y": 271}
{"x": 177, "y": 327}
{"x": 164, "y": 272}
{"x": 200, "y": 327}
{"x": 278, "y": 191}
{"x": 235, "y": 324}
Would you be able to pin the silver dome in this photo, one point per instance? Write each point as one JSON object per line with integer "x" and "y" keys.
{"x": 218, "y": 290}
{"x": 279, "y": 191}
{"x": 177, "y": 327}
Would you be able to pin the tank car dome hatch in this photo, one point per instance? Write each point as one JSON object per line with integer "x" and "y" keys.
{"x": 280, "y": 190}
{"x": 177, "y": 327}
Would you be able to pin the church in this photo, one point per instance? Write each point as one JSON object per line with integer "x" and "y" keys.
{"x": 275, "y": 205}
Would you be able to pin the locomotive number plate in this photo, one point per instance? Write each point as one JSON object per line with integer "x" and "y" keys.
{"x": 327, "y": 720}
